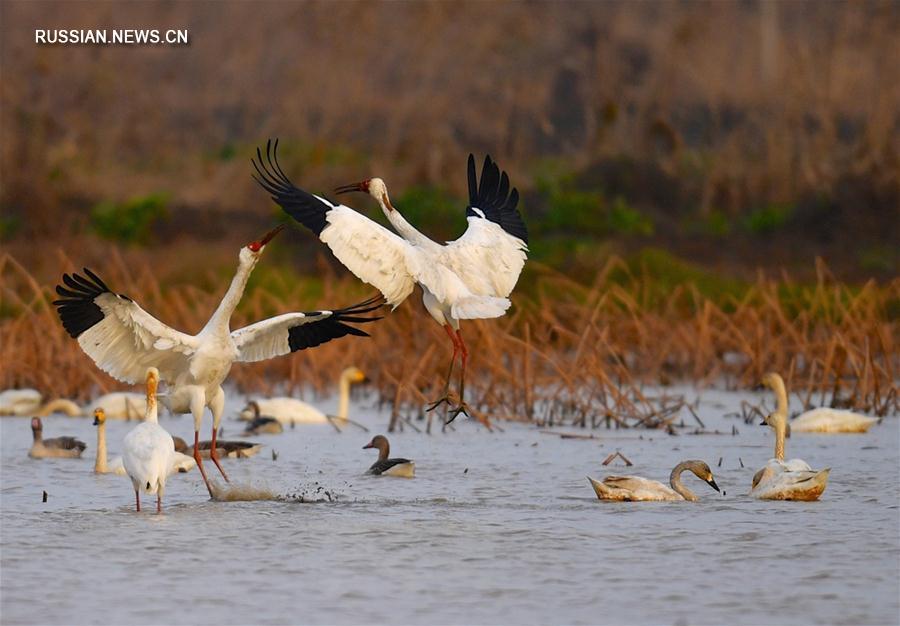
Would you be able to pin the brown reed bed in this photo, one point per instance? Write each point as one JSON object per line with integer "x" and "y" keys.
{"x": 601, "y": 354}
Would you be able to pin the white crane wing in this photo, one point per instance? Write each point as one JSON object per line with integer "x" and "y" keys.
{"x": 368, "y": 249}
{"x": 297, "y": 331}
{"x": 491, "y": 253}
{"x": 121, "y": 337}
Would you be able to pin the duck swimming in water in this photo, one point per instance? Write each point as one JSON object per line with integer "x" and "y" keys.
{"x": 59, "y": 447}
{"x": 384, "y": 466}
{"x": 780, "y": 479}
{"x": 229, "y": 449}
{"x": 263, "y": 425}
{"x": 637, "y": 489}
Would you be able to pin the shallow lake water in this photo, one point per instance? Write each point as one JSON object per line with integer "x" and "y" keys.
{"x": 495, "y": 528}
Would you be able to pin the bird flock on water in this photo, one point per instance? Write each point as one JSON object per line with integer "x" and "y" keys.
{"x": 471, "y": 277}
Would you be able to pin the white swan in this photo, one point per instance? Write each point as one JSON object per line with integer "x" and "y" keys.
{"x": 293, "y": 411}
{"x": 149, "y": 451}
{"x": 19, "y": 401}
{"x": 183, "y": 463}
{"x": 827, "y": 420}
{"x": 124, "y": 405}
{"x": 637, "y": 489}
{"x": 780, "y": 479}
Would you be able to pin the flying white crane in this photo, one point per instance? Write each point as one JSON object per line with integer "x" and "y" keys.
{"x": 124, "y": 340}
{"x": 469, "y": 278}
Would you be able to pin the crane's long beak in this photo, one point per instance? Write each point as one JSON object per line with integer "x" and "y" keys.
{"x": 363, "y": 186}
{"x": 271, "y": 234}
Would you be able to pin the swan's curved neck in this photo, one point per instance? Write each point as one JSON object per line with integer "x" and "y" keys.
{"x": 221, "y": 319}
{"x": 780, "y": 433}
{"x": 675, "y": 482}
{"x": 62, "y": 405}
{"x": 781, "y": 415}
{"x": 100, "y": 463}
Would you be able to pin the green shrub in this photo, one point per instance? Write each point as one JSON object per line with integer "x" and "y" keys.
{"x": 131, "y": 221}
{"x": 768, "y": 219}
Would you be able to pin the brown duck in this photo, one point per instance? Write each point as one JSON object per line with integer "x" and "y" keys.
{"x": 384, "y": 466}
{"x": 58, "y": 447}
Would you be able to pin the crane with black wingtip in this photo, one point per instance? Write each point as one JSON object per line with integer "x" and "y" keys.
{"x": 469, "y": 278}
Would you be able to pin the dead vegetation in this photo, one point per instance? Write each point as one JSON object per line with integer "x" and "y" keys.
{"x": 570, "y": 354}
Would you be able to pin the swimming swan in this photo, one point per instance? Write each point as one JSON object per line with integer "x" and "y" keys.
{"x": 183, "y": 463}
{"x": 637, "y": 489}
{"x": 780, "y": 479}
{"x": 404, "y": 468}
{"x": 149, "y": 451}
{"x": 116, "y": 405}
{"x": 293, "y": 411}
{"x": 19, "y": 401}
{"x": 827, "y": 420}
{"x": 59, "y": 447}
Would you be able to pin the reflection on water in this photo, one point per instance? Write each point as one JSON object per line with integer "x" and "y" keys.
{"x": 497, "y": 527}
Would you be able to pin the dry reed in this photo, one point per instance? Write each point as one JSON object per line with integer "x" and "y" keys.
{"x": 571, "y": 355}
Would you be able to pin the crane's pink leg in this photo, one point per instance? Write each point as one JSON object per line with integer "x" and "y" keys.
{"x": 158, "y": 503}
{"x": 445, "y": 397}
{"x": 462, "y": 407}
{"x": 137, "y": 499}
{"x": 214, "y": 456}
{"x": 200, "y": 463}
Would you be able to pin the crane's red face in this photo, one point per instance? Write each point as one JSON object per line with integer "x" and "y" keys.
{"x": 361, "y": 186}
{"x": 256, "y": 246}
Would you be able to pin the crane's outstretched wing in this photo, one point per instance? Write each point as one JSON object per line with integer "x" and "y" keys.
{"x": 368, "y": 249}
{"x": 491, "y": 253}
{"x": 297, "y": 331}
{"x": 121, "y": 337}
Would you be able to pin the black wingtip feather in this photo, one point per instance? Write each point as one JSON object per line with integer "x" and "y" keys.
{"x": 300, "y": 205}
{"x": 493, "y": 197}
{"x": 76, "y": 306}
{"x": 335, "y": 325}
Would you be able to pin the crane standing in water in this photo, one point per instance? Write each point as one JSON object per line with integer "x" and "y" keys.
{"x": 124, "y": 340}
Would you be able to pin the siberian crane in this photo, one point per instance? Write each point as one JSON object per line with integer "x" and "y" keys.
{"x": 124, "y": 340}
{"x": 469, "y": 278}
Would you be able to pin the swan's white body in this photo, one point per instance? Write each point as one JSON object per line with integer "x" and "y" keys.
{"x": 789, "y": 480}
{"x": 117, "y": 405}
{"x": 121, "y": 405}
{"x": 148, "y": 450}
{"x": 826, "y": 420}
{"x": 633, "y": 489}
{"x": 124, "y": 340}
{"x": 287, "y": 411}
{"x": 20, "y": 401}
{"x": 293, "y": 411}
{"x": 785, "y": 480}
{"x": 638, "y": 489}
